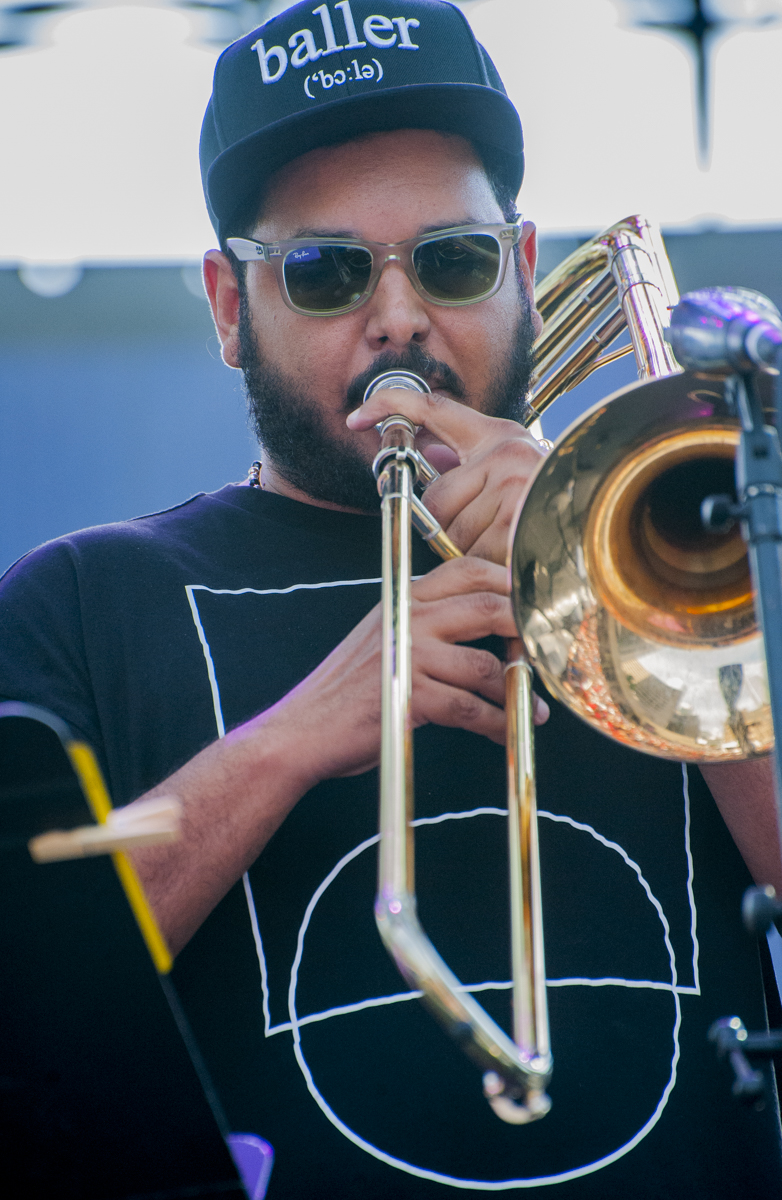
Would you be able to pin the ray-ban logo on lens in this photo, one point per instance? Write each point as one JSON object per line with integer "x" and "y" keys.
{"x": 380, "y": 31}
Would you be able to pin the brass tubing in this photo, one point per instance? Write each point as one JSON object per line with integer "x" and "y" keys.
{"x": 644, "y": 305}
{"x": 396, "y": 748}
{"x": 530, "y": 1005}
{"x": 514, "y": 1079}
{"x": 653, "y": 240}
{"x": 627, "y": 260}
{"x": 577, "y": 314}
{"x": 569, "y": 278}
{"x": 432, "y": 531}
{"x": 581, "y": 363}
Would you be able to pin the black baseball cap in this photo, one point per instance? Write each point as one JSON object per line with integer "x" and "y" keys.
{"x": 317, "y": 74}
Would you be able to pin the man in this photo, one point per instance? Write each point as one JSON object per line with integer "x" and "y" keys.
{"x": 228, "y": 651}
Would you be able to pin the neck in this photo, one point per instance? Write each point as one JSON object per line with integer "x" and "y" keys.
{"x": 273, "y": 481}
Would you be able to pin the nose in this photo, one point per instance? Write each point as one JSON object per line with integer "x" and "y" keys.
{"x": 395, "y": 314}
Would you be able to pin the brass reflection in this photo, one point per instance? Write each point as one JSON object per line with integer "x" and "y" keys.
{"x": 635, "y": 616}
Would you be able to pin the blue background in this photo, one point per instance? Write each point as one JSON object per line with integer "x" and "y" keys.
{"x": 114, "y": 400}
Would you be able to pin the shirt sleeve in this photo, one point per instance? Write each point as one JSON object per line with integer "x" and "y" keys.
{"x": 42, "y": 647}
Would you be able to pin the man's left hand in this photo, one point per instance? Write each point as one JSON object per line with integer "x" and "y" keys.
{"x": 475, "y": 502}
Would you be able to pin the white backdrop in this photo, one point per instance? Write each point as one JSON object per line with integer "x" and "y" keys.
{"x": 99, "y": 128}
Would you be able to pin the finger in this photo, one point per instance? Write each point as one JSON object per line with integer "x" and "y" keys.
{"x": 460, "y": 576}
{"x": 455, "y": 424}
{"x": 464, "y": 618}
{"x": 440, "y": 704}
{"x": 501, "y": 472}
{"x": 540, "y": 710}
{"x": 465, "y": 667}
{"x": 486, "y": 531}
{"x": 482, "y": 527}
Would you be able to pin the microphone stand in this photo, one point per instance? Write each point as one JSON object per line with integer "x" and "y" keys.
{"x": 759, "y": 509}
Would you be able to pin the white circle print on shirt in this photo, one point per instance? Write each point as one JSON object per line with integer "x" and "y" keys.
{"x": 392, "y": 1083}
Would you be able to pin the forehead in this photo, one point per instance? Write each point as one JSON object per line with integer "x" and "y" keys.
{"x": 384, "y": 186}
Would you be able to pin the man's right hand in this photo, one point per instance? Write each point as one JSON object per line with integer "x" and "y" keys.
{"x": 336, "y": 709}
{"x": 238, "y": 791}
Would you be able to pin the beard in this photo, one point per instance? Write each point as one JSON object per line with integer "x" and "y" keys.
{"x": 289, "y": 424}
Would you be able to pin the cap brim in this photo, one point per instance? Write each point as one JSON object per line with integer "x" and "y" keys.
{"x": 481, "y": 114}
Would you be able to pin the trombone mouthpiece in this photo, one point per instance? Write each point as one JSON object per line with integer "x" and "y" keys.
{"x": 396, "y": 379}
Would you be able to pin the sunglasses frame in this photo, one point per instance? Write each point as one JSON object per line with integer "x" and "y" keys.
{"x": 275, "y": 253}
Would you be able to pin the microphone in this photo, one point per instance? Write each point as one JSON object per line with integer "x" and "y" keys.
{"x": 726, "y": 329}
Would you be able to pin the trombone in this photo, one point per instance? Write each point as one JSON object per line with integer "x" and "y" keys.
{"x": 614, "y": 601}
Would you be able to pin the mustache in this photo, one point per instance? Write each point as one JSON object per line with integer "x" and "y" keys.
{"x": 438, "y": 375}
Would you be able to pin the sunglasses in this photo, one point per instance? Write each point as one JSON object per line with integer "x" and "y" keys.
{"x": 325, "y": 277}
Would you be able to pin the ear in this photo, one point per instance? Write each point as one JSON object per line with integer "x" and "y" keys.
{"x": 223, "y": 292}
{"x": 528, "y": 257}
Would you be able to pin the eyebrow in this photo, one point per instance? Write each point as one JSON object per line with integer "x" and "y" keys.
{"x": 322, "y": 233}
{"x": 440, "y": 227}
{"x": 451, "y": 225}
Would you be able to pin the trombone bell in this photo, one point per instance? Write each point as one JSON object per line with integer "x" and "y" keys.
{"x": 635, "y": 616}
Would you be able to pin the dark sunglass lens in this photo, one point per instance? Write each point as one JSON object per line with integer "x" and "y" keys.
{"x": 461, "y": 267}
{"x": 323, "y": 279}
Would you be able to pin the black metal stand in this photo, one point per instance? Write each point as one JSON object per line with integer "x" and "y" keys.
{"x": 759, "y": 509}
{"x": 103, "y": 1090}
{"x": 738, "y": 1046}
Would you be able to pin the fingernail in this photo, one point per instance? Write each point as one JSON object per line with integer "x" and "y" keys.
{"x": 542, "y": 711}
{"x": 353, "y": 417}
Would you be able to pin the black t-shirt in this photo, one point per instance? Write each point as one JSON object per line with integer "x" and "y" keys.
{"x": 152, "y": 637}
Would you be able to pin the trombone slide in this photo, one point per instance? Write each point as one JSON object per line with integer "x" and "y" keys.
{"x": 515, "y": 1075}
